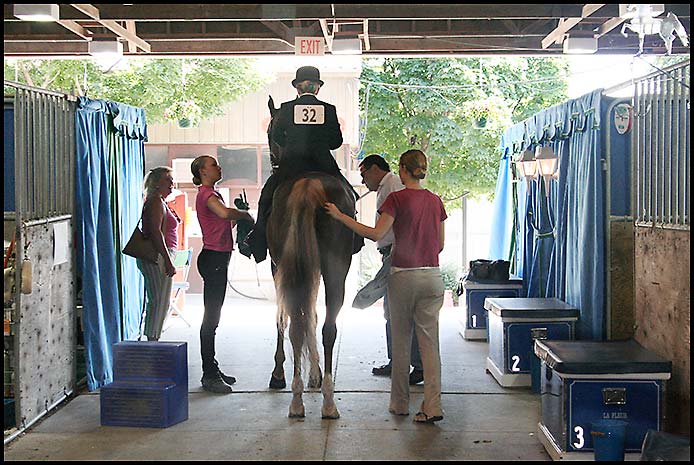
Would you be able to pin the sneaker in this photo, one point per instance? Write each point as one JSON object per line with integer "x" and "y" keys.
{"x": 216, "y": 385}
{"x": 383, "y": 370}
{"x": 227, "y": 379}
{"x": 416, "y": 377}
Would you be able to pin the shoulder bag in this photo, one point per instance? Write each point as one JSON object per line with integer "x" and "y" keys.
{"x": 140, "y": 246}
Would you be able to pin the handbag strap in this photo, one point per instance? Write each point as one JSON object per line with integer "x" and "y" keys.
{"x": 162, "y": 228}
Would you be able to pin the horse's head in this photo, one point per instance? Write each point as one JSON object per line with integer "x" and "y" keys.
{"x": 275, "y": 149}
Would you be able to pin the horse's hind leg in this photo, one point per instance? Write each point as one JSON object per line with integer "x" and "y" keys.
{"x": 296, "y": 336}
{"x": 277, "y": 380}
{"x": 315, "y": 376}
{"x": 334, "y": 297}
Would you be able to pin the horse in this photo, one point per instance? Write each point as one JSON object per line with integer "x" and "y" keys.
{"x": 305, "y": 244}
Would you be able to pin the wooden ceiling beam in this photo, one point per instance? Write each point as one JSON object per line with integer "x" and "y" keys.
{"x": 113, "y": 26}
{"x": 608, "y": 26}
{"x": 131, "y": 28}
{"x": 565, "y": 24}
{"x": 283, "y": 32}
{"x": 72, "y": 26}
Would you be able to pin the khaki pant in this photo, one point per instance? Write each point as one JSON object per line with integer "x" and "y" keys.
{"x": 415, "y": 299}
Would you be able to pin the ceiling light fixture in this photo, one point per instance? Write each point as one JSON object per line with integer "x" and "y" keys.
{"x": 106, "y": 48}
{"x": 580, "y": 45}
{"x": 37, "y": 12}
{"x": 350, "y": 46}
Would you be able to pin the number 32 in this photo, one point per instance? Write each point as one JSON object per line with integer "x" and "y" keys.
{"x": 306, "y": 118}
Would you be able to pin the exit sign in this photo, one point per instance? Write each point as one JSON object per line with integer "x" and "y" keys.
{"x": 309, "y": 46}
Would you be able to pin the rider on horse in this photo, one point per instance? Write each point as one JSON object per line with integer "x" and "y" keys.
{"x": 307, "y": 129}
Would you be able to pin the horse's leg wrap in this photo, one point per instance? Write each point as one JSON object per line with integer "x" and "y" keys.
{"x": 329, "y": 409}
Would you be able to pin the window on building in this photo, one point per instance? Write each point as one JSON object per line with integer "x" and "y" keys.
{"x": 238, "y": 163}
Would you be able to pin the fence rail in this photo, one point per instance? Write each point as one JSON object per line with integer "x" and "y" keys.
{"x": 661, "y": 148}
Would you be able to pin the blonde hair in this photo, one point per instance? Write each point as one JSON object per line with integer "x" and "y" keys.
{"x": 415, "y": 162}
{"x": 196, "y": 166}
{"x": 153, "y": 177}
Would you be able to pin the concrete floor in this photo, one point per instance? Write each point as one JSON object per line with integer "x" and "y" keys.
{"x": 483, "y": 421}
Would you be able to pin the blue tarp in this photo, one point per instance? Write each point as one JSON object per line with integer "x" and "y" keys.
{"x": 559, "y": 237}
{"x": 109, "y": 165}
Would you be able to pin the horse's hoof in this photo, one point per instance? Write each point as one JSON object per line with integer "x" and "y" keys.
{"x": 334, "y": 415}
{"x": 300, "y": 413}
{"x": 277, "y": 383}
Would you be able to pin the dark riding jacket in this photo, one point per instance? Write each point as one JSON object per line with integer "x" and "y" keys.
{"x": 307, "y": 133}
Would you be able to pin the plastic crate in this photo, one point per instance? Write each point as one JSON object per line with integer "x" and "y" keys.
{"x": 150, "y": 387}
{"x": 149, "y": 405}
{"x": 154, "y": 361}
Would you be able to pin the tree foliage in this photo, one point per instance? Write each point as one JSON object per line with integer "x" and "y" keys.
{"x": 152, "y": 84}
{"x": 430, "y": 104}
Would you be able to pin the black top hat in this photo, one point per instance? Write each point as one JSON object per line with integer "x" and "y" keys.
{"x": 307, "y": 73}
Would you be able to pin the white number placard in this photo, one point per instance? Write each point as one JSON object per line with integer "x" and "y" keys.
{"x": 580, "y": 441}
{"x": 516, "y": 361}
{"x": 309, "y": 114}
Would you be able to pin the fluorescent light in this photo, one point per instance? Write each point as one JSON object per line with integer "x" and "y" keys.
{"x": 106, "y": 48}
{"x": 34, "y": 12}
{"x": 346, "y": 46}
{"x": 578, "y": 45}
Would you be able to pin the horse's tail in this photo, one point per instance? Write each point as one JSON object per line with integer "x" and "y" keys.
{"x": 297, "y": 278}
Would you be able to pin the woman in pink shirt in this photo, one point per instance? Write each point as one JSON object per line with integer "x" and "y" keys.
{"x": 415, "y": 287}
{"x": 213, "y": 263}
{"x": 161, "y": 225}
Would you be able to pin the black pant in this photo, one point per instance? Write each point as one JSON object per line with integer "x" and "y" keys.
{"x": 213, "y": 267}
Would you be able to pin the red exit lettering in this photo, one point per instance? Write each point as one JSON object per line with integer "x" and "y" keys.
{"x": 309, "y": 46}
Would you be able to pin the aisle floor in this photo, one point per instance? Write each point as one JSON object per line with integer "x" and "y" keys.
{"x": 483, "y": 421}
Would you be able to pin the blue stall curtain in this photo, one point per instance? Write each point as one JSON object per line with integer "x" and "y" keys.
{"x": 110, "y": 166}
{"x": 556, "y": 240}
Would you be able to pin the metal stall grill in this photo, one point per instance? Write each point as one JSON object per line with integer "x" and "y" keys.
{"x": 44, "y": 153}
{"x": 42, "y": 317}
{"x": 661, "y": 148}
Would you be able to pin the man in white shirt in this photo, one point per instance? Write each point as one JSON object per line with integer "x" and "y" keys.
{"x": 376, "y": 175}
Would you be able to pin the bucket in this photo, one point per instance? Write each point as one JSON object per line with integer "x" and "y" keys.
{"x": 608, "y": 439}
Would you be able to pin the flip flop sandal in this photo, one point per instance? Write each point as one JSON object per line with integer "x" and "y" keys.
{"x": 424, "y": 418}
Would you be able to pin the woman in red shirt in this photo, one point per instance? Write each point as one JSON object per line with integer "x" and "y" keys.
{"x": 415, "y": 286}
{"x": 213, "y": 263}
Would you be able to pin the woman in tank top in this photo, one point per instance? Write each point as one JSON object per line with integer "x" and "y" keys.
{"x": 160, "y": 224}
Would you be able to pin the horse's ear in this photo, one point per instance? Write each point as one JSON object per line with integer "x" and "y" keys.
{"x": 271, "y": 106}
